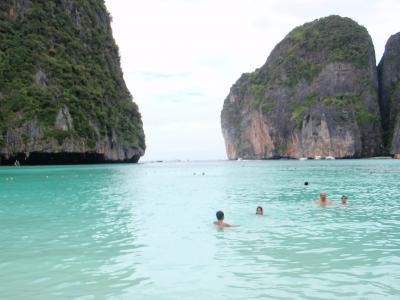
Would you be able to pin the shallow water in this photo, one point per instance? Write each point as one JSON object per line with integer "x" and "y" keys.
{"x": 145, "y": 231}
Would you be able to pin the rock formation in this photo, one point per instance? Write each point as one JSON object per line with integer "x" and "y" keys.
{"x": 389, "y": 86}
{"x": 316, "y": 95}
{"x": 63, "y": 98}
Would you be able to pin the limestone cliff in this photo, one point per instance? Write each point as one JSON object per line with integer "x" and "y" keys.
{"x": 63, "y": 98}
{"x": 316, "y": 95}
{"x": 389, "y": 83}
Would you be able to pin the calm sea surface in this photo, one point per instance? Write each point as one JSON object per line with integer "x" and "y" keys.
{"x": 145, "y": 231}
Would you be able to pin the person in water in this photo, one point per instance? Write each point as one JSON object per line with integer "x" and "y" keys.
{"x": 323, "y": 200}
{"x": 259, "y": 210}
{"x": 220, "y": 220}
{"x": 344, "y": 199}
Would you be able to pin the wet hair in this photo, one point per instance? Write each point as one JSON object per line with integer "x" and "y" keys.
{"x": 344, "y": 196}
{"x": 306, "y": 183}
{"x": 220, "y": 215}
{"x": 259, "y": 207}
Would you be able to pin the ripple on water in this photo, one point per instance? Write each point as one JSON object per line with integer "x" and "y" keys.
{"x": 144, "y": 231}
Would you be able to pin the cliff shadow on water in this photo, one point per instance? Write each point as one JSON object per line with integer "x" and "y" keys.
{"x": 65, "y": 158}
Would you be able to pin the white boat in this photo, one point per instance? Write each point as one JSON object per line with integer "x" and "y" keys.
{"x": 303, "y": 158}
{"x": 330, "y": 157}
{"x": 317, "y": 157}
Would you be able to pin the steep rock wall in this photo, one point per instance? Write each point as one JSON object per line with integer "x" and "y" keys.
{"x": 389, "y": 83}
{"x": 317, "y": 95}
{"x": 63, "y": 98}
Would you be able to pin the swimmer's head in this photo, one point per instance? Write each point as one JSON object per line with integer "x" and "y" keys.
{"x": 259, "y": 210}
{"x": 306, "y": 183}
{"x": 220, "y": 215}
{"x": 322, "y": 195}
{"x": 344, "y": 199}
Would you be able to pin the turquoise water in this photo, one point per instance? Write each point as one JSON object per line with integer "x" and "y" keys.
{"x": 145, "y": 231}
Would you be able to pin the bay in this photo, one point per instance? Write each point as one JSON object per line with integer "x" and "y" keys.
{"x": 145, "y": 231}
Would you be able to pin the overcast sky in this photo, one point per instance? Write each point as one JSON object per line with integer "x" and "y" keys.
{"x": 180, "y": 58}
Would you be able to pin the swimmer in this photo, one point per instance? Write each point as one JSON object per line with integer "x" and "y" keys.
{"x": 259, "y": 210}
{"x": 344, "y": 199}
{"x": 306, "y": 183}
{"x": 323, "y": 200}
{"x": 220, "y": 220}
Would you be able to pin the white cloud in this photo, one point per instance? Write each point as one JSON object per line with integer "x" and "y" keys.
{"x": 180, "y": 58}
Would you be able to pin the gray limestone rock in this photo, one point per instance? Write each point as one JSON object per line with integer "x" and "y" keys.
{"x": 317, "y": 95}
{"x": 63, "y": 98}
{"x": 389, "y": 83}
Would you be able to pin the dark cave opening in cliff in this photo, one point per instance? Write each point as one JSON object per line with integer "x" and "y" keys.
{"x": 62, "y": 158}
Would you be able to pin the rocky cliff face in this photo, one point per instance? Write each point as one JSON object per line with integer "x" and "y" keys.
{"x": 63, "y": 98}
{"x": 389, "y": 83}
{"x": 317, "y": 95}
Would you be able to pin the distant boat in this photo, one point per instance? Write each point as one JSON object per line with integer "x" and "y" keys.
{"x": 317, "y": 157}
{"x": 240, "y": 159}
{"x": 303, "y": 158}
{"x": 330, "y": 157}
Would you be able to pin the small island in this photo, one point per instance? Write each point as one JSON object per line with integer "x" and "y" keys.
{"x": 319, "y": 94}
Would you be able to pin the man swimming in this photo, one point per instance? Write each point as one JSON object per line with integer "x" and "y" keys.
{"x": 344, "y": 199}
{"x": 323, "y": 200}
{"x": 259, "y": 210}
{"x": 220, "y": 220}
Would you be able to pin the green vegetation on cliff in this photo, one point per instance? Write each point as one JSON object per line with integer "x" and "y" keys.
{"x": 326, "y": 36}
{"x": 389, "y": 80}
{"x": 346, "y": 106}
{"x": 318, "y": 87}
{"x": 62, "y": 53}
